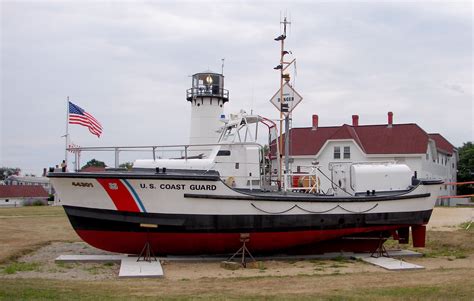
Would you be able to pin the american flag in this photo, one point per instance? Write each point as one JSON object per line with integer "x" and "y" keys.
{"x": 77, "y": 115}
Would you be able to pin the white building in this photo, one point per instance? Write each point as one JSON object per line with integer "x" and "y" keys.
{"x": 30, "y": 181}
{"x": 20, "y": 195}
{"x": 335, "y": 148}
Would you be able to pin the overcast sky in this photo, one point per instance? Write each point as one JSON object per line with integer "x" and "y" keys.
{"x": 128, "y": 63}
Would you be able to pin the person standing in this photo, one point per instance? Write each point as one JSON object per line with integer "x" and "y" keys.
{"x": 63, "y": 166}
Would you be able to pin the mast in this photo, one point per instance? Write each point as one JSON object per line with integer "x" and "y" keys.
{"x": 66, "y": 136}
{"x": 282, "y": 38}
{"x": 285, "y": 100}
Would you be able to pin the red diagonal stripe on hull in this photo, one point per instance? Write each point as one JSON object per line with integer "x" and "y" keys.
{"x": 121, "y": 197}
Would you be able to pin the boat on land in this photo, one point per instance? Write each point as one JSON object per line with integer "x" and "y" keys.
{"x": 208, "y": 195}
{"x": 202, "y": 204}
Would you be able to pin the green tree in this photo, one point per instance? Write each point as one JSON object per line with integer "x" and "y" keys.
{"x": 94, "y": 163}
{"x": 5, "y": 172}
{"x": 126, "y": 165}
{"x": 466, "y": 168}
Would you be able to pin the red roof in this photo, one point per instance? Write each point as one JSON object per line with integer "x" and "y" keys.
{"x": 22, "y": 191}
{"x": 305, "y": 141}
{"x": 397, "y": 139}
{"x": 92, "y": 169}
{"x": 372, "y": 139}
{"x": 442, "y": 144}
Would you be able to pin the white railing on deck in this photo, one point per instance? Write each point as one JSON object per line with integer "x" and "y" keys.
{"x": 180, "y": 150}
{"x": 311, "y": 179}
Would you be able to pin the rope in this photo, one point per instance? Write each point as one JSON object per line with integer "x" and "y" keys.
{"x": 455, "y": 196}
{"x": 316, "y": 212}
{"x": 268, "y": 212}
{"x": 350, "y": 211}
{"x": 459, "y": 183}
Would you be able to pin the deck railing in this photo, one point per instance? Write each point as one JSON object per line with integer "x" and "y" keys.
{"x": 308, "y": 182}
{"x": 178, "y": 151}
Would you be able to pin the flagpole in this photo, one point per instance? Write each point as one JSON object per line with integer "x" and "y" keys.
{"x": 67, "y": 130}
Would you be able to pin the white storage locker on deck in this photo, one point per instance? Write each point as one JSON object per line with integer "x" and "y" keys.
{"x": 380, "y": 177}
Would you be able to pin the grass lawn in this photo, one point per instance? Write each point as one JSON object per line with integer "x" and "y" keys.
{"x": 377, "y": 286}
{"x": 25, "y": 229}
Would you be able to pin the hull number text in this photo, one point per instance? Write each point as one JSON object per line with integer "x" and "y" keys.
{"x": 82, "y": 184}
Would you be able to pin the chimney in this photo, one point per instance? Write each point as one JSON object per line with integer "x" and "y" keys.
{"x": 355, "y": 120}
{"x": 390, "y": 119}
{"x": 44, "y": 172}
{"x": 315, "y": 122}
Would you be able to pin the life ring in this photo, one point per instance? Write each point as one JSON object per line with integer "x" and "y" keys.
{"x": 230, "y": 181}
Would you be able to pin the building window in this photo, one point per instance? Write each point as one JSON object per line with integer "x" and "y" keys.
{"x": 347, "y": 152}
{"x": 337, "y": 152}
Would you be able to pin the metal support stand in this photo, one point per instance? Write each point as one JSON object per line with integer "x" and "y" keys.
{"x": 147, "y": 252}
{"x": 244, "y": 238}
{"x": 380, "y": 251}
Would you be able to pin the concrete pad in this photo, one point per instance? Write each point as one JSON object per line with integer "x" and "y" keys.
{"x": 404, "y": 253}
{"x": 391, "y": 264}
{"x": 391, "y": 253}
{"x": 90, "y": 258}
{"x": 130, "y": 267}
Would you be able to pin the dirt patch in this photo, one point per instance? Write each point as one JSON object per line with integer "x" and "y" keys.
{"x": 449, "y": 218}
{"x": 191, "y": 271}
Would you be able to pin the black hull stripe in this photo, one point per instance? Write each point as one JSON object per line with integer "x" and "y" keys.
{"x": 112, "y": 220}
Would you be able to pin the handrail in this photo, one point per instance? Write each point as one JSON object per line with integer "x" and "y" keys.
{"x": 312, "y": 174}
{"x": 154, "y": 148}
{"x": 212, "y": 90}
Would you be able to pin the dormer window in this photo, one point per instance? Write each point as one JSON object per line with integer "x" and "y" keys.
{"x": 347, "y": 152}
{"x": 337, "y": 152}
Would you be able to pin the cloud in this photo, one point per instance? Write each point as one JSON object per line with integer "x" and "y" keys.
{"x": 129, "y": 65}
